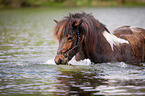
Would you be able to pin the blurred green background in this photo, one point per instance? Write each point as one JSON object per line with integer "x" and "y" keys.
{"x": 69, "y": 3}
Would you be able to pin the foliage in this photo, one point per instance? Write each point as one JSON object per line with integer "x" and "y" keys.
{"x": 72, "y": 3}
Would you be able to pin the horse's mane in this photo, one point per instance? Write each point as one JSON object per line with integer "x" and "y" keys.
{"x": 90, "y": 28}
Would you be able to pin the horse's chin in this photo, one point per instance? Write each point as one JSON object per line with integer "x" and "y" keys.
{"x": 61, "y": 64}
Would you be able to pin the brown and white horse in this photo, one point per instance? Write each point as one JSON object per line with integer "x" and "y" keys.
{"x": 82, "y": 36}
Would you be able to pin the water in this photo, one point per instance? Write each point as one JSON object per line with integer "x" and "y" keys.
{"x": 27, "y": 50}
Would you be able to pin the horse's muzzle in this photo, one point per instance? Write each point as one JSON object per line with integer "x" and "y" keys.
{"x": 60, "y": 59}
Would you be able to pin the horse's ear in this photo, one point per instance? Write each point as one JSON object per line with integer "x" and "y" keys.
{"x": 77, "y": 23}
{"x": 56, "y": 21}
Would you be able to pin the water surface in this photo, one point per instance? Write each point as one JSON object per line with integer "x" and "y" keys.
{"x": 27, "y": 50}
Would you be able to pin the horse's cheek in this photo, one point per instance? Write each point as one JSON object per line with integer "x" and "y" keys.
{"x": 68, "y": 45}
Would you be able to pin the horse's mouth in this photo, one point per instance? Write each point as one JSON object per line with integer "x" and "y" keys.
{"x": 61, "y": 59}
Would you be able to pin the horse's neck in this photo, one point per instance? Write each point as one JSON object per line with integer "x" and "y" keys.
{"x": 102, "y": 44}
{"x": 105, "y": 46}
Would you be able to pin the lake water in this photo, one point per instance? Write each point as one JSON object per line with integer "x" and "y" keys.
{"x": 27, "y": 51}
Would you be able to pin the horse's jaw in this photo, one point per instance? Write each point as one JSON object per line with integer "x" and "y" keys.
{"x": 80, "y": 56}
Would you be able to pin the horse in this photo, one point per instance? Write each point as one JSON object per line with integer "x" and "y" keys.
{"x": 83, "y": 36}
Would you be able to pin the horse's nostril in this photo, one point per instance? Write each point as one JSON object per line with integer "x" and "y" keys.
{"x": 58, "y": 61}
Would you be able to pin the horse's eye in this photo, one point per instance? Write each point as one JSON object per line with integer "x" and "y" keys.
{"x": 69, "y": 38}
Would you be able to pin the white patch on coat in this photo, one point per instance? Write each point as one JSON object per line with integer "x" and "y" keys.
{"x": 113, "y": 40}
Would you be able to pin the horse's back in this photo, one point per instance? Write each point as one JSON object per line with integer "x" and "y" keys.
{"x": 124, "y": 30}
{"x": 136, "y": 38}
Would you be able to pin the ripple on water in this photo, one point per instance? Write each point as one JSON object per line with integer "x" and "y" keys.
{"x": 120, "y": 90}
{"x": 26, "y": 44}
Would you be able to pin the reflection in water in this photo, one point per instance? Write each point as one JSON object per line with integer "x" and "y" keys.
{"x": 27, "y": 50}
{"x": 93, "y": 81}
{"x": 65, "y": 80}
{"x": 82, "y": 83}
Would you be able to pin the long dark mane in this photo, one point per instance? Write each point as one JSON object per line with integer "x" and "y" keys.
{"x": 90, "y": 29}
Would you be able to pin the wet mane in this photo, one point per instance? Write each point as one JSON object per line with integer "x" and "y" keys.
{"x": 89, "y": 29}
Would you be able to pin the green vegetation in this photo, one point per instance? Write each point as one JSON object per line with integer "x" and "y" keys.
{"x": 68, "y": 3}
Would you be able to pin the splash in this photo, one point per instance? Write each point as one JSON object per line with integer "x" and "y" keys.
{"x": 72, "y": 62}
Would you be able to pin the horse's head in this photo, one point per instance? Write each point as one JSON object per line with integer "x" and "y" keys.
{"x": 68, "y": 34}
